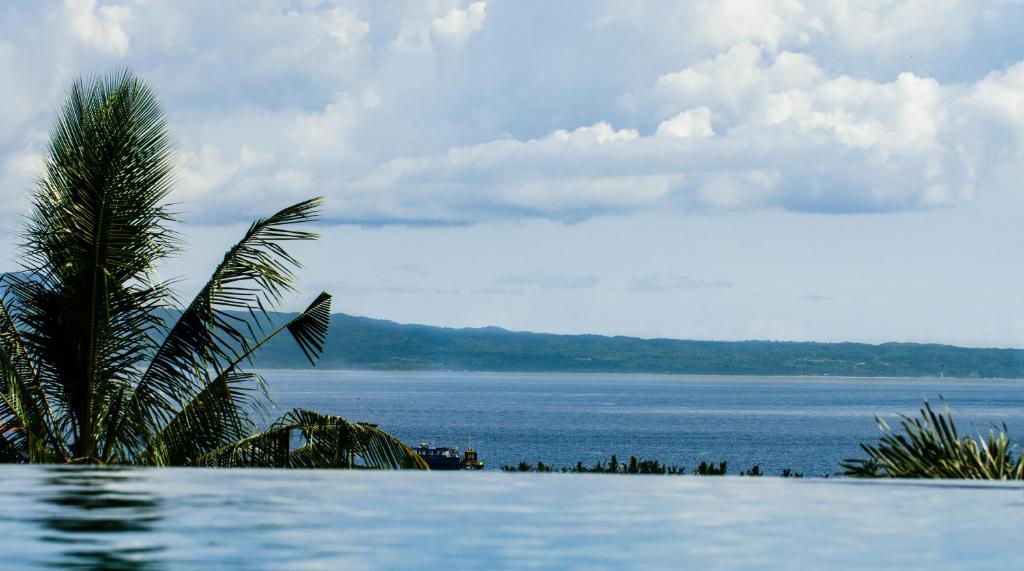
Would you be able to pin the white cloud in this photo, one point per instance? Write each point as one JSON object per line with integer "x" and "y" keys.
{"x": 735, "y": 79}
{"x": 765, "y": 108}
{"x": 791, "y": 136}
{"x": 344, "y": 26}
{"x": 694, "y": 123}
{"x": 886, "y": 27}
{"x": 1001, "y": 94}
{"x": 458, "y": 24}
{"x": 599, "y": 133}
{"x": 100, "y": 27}
{"x": 896, "y": 27}
{"x": 725, "y": 23}
{"x": 18, "y": 174}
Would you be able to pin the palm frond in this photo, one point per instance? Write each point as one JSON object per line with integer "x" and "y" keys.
{"x": 210, "y": 334}
{"x": 12, "y": 451}
{"x": 26, "y": 419}
{"x": 930, "y": 447}
{"x": 306, "y": 439}
{"x": 97, "y": 227}
{"x": 219, "y": 414}
{"x": 309, "y": 329}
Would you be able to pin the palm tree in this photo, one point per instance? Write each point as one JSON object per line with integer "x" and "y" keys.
{"x": 100, "y": 363}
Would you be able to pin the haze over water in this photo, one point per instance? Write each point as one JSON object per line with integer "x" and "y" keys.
{"x": 807, "y": 424}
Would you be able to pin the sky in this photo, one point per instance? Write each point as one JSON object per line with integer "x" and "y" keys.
{"x": 735, "y": 169}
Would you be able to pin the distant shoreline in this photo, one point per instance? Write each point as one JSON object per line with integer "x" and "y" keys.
{"x": 361, "y": 343}
{"x": 629, "y": 374}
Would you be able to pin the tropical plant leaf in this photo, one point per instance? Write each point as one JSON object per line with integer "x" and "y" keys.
{"x": 98, "y": 226}
{"x": 26, "y": 419}
{"x": 220, "y": 413}
{"x": 217, "y": 416}
{"x": 209, "y": 334}
{"x": 306, "y": 439}
{"x": 930, "y": 447}
{"x": 309, "y": 329}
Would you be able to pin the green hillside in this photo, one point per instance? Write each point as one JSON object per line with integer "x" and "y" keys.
{"x": 363, "y": 343}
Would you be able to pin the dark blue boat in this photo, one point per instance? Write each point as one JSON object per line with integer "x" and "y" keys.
{"x": 448, "y": 458}
{"x": 440, "y": 458}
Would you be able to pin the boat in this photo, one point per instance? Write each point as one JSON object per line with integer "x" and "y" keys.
{"x": 470, "y": 460}
{"x": 440, "y": 458}
{"x": 443, "y": 458}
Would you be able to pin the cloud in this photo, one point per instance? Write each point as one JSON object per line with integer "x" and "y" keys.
{"x": 694, "y": 123}
{"x": 735, "y": 106}
{"x": 768, "y": 22}
{"x": 790, "y": 136}
{"x": 18, "y": 171}
{"x": 1000, "y": 96}
{"x": 547, "y": 280}
{"x": 457, "y": 25}
{"x": 100, "y": 27}
{"x": 904, "y": 26}
{"x": 344, "y": 26}
{"x": 670, "y": 281}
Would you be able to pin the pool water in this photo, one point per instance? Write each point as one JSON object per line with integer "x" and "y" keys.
{"x": 283, "y": 519}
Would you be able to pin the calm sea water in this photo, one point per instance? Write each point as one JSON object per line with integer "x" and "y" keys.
{"x": 807, "y": 424}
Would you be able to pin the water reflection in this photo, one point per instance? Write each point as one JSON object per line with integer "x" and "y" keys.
{"x": 244, "y": 519}
{"x": 101, "y": 517}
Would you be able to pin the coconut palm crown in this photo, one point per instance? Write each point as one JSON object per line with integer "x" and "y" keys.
{"x": 100, "y": 362}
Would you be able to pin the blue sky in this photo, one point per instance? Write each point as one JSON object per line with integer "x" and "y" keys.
{"x": 734, "y": 169}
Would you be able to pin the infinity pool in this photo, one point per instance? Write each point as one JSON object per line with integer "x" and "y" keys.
{"x": 258, "y": 519}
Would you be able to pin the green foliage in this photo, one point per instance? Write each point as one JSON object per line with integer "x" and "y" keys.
{"x": 640, "y": 466}
{"x": 634, "y": 466}
{"x": 754, "y": 470}
{"x": 324, "y": 442}
{"x": 526, "y": 467}
{"x": 709, "y": 469}
{"x": 930, "y": 447}
{"x": 92, "y": 370}
{"x": 612, "y": 466}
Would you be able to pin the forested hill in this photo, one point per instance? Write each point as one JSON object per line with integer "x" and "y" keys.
{"x": 363, "y": 343}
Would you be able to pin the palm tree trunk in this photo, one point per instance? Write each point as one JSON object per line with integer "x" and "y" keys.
{"x": 84, "y": 447}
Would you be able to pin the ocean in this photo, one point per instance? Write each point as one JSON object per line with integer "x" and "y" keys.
{"x": 807, "y": 424}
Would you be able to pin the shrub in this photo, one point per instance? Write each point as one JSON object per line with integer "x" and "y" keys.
{"x": 708, "y": 469}
{"x": 931, "y": 447}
